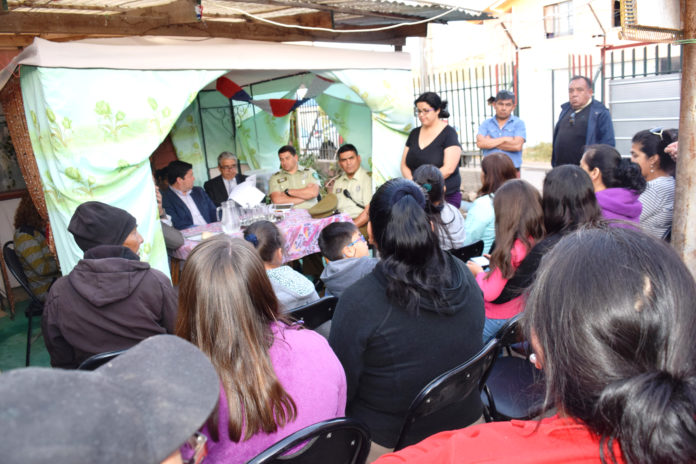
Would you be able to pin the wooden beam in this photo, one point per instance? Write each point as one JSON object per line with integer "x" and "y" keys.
{"x": 18, "y": 29}
{"x": 140, "y": 24}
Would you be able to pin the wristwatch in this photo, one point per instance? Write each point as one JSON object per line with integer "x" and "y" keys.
{"x": 287, "y": 192}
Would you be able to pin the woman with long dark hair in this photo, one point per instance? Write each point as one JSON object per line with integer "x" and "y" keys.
{"x": 434, "y": 142}
{"x": 275, "y": 378}
{"x": 657, "y": 166}
{"x": 448, "y": 220}
{"x": 496, "y": 169}
{"x": 617, "y": 356}
{"x": 568, "y": 203}
{"x": 617, "y": 183}
{"x": 418, "y": 314}
{"x": 519, "y": 225}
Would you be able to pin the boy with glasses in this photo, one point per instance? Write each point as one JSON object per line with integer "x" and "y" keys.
{"x": 347, "y": 256}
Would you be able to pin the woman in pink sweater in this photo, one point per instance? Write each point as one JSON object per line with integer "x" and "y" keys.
{"x": 275, "y": 378}
{"x": 519, "y": 224}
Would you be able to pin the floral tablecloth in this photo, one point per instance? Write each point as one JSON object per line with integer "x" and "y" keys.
{"x": 301, "y": 233}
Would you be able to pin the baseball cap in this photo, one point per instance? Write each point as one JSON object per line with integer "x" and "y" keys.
{"x": 138, "y": 408}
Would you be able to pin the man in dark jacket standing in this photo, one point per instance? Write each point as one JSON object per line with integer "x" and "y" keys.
{"x": 110, "y": 300}
{"x": 583, "y": 121}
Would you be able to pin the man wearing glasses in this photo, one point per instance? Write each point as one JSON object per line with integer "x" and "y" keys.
{"x": 583, "y": 121}
{"x": 504, "y": 132}
{"x": 219, "y": 188}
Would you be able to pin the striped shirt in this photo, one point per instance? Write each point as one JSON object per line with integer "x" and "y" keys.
{"x": 658, "y": 205}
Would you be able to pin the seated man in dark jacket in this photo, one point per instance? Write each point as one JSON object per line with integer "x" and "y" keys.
{"x": 110, "y": 300}
{"x": 219, "y": 188}
{"x": 187, "y": 205}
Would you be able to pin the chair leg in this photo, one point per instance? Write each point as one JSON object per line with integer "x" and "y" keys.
{"x": 28, "y": 339}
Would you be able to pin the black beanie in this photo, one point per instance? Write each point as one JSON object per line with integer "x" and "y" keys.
{"x": 96, "y": 223}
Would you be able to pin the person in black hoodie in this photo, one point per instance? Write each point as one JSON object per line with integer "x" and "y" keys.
{"x": 418, "y": 314}
{"x": 110, "y": 300}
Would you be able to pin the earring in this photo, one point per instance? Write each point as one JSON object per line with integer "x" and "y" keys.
{"x": 652, "y": 168}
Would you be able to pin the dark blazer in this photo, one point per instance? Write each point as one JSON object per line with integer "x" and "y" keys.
{"x": 179, "y": 212}
{"x": 215, "y": 188}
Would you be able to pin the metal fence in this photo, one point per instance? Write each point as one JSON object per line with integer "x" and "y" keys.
{"x": 631, "y": 61}
{"x": 467, "y": 92}
{"x": 316, "y": 134}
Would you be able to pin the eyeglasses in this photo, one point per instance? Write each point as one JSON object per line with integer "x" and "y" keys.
{"x": 359, "y": 239}
{"x": 571, "y": 121}
{"x": 227, "y": 168}
{"x": 199, "y": 444}
{"x": 657, "y": 131}
{"x": 424, "y": 111}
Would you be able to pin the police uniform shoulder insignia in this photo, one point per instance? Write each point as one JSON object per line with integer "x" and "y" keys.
{"x": 282, "y": 179}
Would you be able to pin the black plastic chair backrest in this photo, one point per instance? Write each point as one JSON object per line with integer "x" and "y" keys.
{"x": 14, "y": 264}
{"x": 99, "y": 359}
{"x": 450, "y": 387}
{"x": 467, "y": 252}
{"x": 315, "y": 314}
{"x": 510, "y": 333}
{"x": 336, "y": 441}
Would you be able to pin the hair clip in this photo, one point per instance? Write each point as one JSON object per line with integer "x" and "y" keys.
{"x": 427, "y": 187}
{"x": 251, "y": 238}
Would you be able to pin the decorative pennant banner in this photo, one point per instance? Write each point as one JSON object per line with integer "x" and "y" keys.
{"x": 276, "y": 106}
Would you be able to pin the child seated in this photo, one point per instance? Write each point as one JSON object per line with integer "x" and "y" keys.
{"x": 341, "y": 240}
{"x": 291, "y": 288}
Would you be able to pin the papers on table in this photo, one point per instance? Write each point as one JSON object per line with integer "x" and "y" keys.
{"x": 246, "y": 194}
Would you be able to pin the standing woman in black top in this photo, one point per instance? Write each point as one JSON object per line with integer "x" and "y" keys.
{"x": 434, "y": 142}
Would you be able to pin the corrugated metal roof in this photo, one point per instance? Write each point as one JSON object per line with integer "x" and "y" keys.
{"x": 85, "y": 18}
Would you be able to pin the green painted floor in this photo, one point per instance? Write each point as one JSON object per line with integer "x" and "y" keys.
{"x": 13, "y": 341}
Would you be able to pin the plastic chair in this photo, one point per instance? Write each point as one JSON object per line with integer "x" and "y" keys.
{"x": 314, "y": 314}
{"x": 449, "y": 388}
{"x": 36, "y": 306}
{"x": 99, "y": 359}
{"x": 467, "y": 252}
{"x": 335, "y": 441}
{"x": 515, "y": 388}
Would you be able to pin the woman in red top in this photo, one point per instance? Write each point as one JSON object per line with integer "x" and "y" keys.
{"x": 611, "y": 319}
{"x": 519, "y": 224}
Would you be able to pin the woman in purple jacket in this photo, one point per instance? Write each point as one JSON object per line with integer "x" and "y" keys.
{"x": 617, "y": 183}
{"x": 275, "y": 378}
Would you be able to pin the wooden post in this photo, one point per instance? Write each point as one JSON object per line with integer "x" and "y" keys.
{"x": 684, "y": 223}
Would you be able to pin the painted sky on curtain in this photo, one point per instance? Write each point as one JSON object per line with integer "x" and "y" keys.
{"x": 278, "y": 107}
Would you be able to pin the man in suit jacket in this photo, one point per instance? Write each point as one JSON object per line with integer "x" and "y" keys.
{"x": 187, "y": 205}
{"x": 219, "y": 188}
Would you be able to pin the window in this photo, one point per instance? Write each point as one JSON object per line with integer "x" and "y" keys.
{"x": 558, "y": 19}
{"x": 617, "y": 13}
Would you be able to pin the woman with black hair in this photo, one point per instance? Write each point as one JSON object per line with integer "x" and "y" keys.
{"x": 617, "y": 183}
{"x": 418, "y": 314}
{"x": 448, "y": 220}
{"x": 617, "y": 356}
{"x": 657, "y": 166}
{"x": 434, "y": 142}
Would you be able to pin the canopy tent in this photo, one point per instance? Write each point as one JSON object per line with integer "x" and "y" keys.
{"x": 96, "y": 109}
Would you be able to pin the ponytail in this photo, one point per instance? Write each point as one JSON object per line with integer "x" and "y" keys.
{"x": 628, "y": 176}
{"x": 652, "y": 417}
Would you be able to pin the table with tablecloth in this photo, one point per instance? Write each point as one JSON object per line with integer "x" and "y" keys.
{"x": 299, "y": 229}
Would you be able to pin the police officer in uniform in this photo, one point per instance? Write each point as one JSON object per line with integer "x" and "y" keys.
{"x": 353, "y": 188}
{"x": 293, "y": 183}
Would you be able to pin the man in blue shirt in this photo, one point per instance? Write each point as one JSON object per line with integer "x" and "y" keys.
{"x": 504, "y": 132}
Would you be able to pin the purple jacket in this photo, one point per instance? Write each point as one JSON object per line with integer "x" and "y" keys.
{"x": 619, "y": 203}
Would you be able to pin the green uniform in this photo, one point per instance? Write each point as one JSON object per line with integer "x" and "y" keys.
{"x": 360, "y": 188}
{"x": 303, "y": 177}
